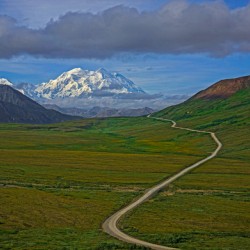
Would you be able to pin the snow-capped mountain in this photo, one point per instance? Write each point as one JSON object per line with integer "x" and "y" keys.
{"x": 27, "y": 89}
{"x": 4, "y": 81}
{"x": 86, "y": 89}
{"x": 78, "y": 83}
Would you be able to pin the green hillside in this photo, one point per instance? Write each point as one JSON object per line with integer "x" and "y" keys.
{"x": 212, "y": 114}
{"x": 229, "y": 117}
{"x": 208, "y": 208}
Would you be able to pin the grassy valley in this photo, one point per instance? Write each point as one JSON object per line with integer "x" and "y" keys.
{"x": 59, "y": 182}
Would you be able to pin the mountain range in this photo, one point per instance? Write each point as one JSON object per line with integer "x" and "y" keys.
{"x": 101, "y": 111}
{"x": 16, "y": 107}
{"x": 79, "y": 83}
{"x": 88, "y": 93}
{"x": 74, "y": 92}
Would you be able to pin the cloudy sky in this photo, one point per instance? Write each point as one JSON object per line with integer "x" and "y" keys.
{"x": 168, "y": 47}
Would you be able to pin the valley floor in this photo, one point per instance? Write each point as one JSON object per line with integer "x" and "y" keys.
{"x": 59, "y": 183}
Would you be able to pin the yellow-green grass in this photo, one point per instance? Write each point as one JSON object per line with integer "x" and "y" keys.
{"x": 59, "y": 182}
{"x": 29, "y": 217}
{"x": 194, "y": 219}
{"x": 206, "y": 209}
{"x": 227, "y": 174}
{"x": 140, "y": 135}
{"x": 45, "y": 156}
{"x": 74, "y": 168}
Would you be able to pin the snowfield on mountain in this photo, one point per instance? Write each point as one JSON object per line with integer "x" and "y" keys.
{"x": 86, "y": 89}
{"x": 78, "y": 83}
{"x": 4, "y": 81}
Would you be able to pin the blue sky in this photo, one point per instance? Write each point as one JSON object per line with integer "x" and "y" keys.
{"x": 167, "y": 70}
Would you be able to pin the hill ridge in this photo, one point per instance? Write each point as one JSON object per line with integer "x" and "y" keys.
{"x": 18, "y": 108}
{"x": 224, "y": 88}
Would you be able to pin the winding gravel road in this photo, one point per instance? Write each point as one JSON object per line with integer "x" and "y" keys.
{"x": 110, "y": 226}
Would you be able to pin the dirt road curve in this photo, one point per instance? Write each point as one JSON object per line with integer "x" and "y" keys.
{"x": 110, "y": 226}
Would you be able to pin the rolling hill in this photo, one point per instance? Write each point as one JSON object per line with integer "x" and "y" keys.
{"x": 226, "y": 102}
{"x": 224, "y": 107}
{"x": 224, "y": 88}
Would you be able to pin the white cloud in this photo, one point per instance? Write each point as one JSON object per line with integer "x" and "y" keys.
{"x": 176, "y": 28}
{"x": 37, "y": 13}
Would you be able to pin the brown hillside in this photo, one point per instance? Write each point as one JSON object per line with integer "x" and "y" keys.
{"x": 224, "y": 88}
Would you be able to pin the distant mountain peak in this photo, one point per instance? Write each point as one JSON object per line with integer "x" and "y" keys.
{"x": 81, "y": 88}
{"x": 75, "y": 71}
{"x": 104, "y": 73}
{"x": 102, "y": 70}
{"x": 224, "y": 88}
{"x": 78, "y": 83}
{"x": 4, "y": 81}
